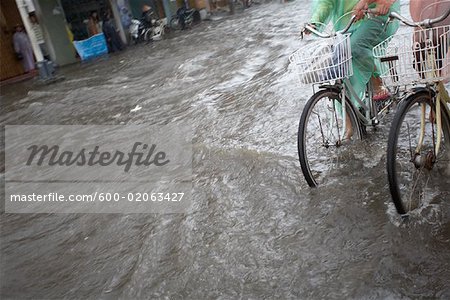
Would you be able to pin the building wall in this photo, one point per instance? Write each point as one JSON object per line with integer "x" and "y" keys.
{"x": 52, "y": 20}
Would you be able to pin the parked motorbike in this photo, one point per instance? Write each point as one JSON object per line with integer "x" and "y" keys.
{"x": 142, "y": 31}
{"x": 190, "y": 16}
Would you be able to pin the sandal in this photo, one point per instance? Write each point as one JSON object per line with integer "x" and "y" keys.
{"x": 381, "y": 95}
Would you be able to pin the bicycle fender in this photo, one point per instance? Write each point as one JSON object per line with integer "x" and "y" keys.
{"x": 419, "y": 89}
{"x": 330, "y": 87}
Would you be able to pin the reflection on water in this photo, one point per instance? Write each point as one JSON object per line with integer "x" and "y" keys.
{"x": 255, "y": 229}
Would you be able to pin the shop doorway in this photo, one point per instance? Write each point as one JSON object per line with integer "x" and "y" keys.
{"x": 77, "y": 14}
{"x": 10, "y": 66}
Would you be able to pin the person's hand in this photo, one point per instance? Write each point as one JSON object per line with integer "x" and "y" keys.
{"x": 360, "y": 8}
{"x": 305, "y": 30}
{"x": 382, "y": 7}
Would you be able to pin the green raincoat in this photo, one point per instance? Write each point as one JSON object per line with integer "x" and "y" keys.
{"x": 365, "y": 34}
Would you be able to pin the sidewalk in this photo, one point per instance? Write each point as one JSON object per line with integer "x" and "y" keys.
{"x": 20, "y": 78}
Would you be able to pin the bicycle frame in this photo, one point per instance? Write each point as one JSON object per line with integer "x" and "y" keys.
{"x": 442, "y": 98}
{"x": 371, "y": 116}
{"x": 327, "y": 71}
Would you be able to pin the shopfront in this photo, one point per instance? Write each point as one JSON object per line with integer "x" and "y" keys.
{"x": 10, "y": 66}
{"x": 77, "y": 14}
{"x": 61, "y": 22}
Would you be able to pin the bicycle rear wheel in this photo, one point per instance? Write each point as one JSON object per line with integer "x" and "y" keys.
{"x": 416, "y": 174}
{"x": 322, "y": 147}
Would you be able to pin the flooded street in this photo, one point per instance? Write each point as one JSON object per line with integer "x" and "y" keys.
{"x": 255, "y": 229}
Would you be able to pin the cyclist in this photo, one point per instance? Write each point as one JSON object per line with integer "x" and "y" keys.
{"x": 365, "y": 34}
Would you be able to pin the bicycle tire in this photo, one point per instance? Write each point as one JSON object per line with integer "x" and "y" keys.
{"x": 398, "y": 171}
{"x": 303, "y": 141}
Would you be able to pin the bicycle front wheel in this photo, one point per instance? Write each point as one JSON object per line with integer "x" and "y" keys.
{"x": 417, "y": 173}
{"x": 325, "y": 135}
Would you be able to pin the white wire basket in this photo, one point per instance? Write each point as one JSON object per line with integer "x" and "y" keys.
{"x": 323, "y": 61}
{"x": 421, "y": 57}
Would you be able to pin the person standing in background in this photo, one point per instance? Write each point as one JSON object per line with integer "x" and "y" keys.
{"x": 112, "y": 37}
{"x": 94, "y": 26}
{"x": 36, "y": 28}
{"x": 23, "y": 49}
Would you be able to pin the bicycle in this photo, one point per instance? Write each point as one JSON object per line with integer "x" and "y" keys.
{"x": 331, "y": 124}
{"x": 418, "y": 152}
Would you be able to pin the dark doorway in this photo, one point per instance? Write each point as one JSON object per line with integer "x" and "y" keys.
{"x": 77, "y": 14}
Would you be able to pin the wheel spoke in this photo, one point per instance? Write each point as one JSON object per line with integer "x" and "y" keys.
{"x": 320, "y": 147}
{"x": 413, "y": 168}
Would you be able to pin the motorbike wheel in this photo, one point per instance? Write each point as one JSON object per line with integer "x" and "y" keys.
{"x": 163, "y": 30}
{"x": 148, "y": 35}
{"x": 175, "y": 23}
{"x": 158, "y": 33}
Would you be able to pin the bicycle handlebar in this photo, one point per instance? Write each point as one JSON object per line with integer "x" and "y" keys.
{"x": 423, "y": 23}
{"x": 392, "y": 15}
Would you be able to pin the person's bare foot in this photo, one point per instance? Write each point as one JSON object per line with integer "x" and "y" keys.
{"x": 348, "y": 135}
{"x": 380, "y": 93}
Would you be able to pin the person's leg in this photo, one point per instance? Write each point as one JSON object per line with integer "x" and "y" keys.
{"x": 368, "y": 34}
{"x": 44, "y": 51}
{"x": 380, "y": 92}
{"x": 362, "y": 40}
{"x": 28, "y": 60}
{"x": 349, "y": 130}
